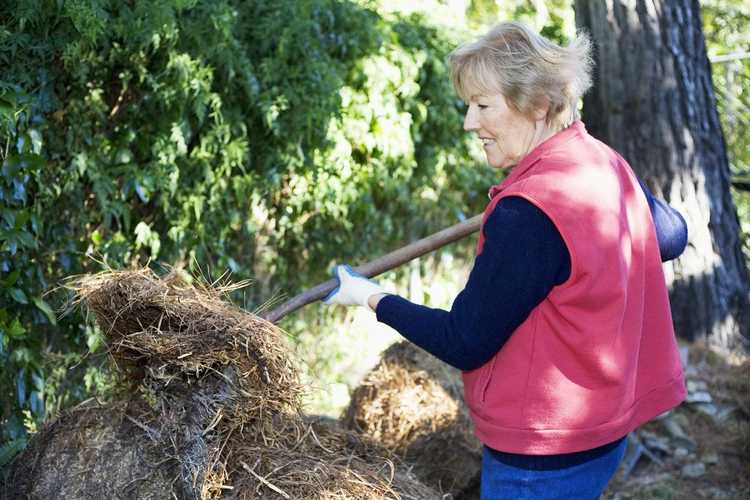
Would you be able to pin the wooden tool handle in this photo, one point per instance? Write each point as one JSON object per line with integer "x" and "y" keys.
{"x": 381, "y": 264}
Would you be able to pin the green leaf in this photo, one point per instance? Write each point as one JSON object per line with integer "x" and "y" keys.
{"x": 16, "y": 330}
{"x": 18, "y": 295}
{"x": 96, "y": 238}
{"x": 32, "y": 161}
{"x": 11, "y": 243}
{"x": 12, "y": 278}
{"x": 22, "y": 216}
{"x": 11, "y": 166}
{"x": 46, "y": 309}
{"x": 27, "y": 240}
{"x": 123, "y": 155}
{"x": 36, "y": 141}
{"x": 23, "y": 356}
{"x": 93, "y": 339}
{"x": 6, "y": 111}
{"x": 9, "y": 450}
{"x": 38, "y": 381}
{"x": 142, "y": 234}
{"x": 9, "y": 216}
{"x": 35, "y": 224}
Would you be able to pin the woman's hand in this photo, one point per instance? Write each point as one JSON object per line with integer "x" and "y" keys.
{"x": 354, "y": 290}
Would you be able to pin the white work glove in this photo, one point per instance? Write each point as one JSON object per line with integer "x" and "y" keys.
{"x": 353, "y": 289}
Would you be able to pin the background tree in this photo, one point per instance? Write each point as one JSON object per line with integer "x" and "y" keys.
{"x": 653, "y": 101}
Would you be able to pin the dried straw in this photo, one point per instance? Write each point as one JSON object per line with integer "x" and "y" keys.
{"x": 218, "y": 401}
{"x": 413, "y": 405}
{"x": 170, "y": 329}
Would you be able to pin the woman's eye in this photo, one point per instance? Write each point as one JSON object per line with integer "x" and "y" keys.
{"x": 482, "y": 106}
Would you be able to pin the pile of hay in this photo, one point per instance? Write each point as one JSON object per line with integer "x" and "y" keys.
{"x": 413, "y": 405}
{"x": 214, "y": 410}
{"x": 95, "y": 451}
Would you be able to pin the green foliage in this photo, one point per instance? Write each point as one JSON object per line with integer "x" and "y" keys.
{"x": 552, "y": 18}
{"x": 10, "y": 450}
{"x": 726, "y": 24}
{"x": 267, "y": 138}
{"x": 21, "y": 384}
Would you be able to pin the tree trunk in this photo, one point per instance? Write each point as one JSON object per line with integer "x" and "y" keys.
{"x": 653, "y": 101}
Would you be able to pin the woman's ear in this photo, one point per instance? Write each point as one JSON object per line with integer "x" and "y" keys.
{"x": 541, "y": 108}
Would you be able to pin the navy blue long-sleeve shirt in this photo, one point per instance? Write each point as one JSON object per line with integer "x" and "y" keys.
{"x": 523, "y": 258}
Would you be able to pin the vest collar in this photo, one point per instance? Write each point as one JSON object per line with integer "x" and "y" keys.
{"x": 536, "y": 154}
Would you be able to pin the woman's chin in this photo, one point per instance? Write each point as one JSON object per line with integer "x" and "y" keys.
{"x": 499, "y": 163}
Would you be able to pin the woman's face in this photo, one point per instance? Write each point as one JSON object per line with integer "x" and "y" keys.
{"x": 507, "y": 135}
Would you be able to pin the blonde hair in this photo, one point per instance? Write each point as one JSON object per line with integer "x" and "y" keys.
{"x": 523, "y": 66}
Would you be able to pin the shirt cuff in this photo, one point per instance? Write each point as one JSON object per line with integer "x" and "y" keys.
{"x": 387, "y": 309}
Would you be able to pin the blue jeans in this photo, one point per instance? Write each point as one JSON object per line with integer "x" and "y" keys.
{"x": 581, "y": 478}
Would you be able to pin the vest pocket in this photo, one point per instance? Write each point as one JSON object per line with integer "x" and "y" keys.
{"x": 486, "y": 378}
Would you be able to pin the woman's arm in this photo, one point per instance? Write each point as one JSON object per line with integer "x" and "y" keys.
{"x": 523, "y": 258}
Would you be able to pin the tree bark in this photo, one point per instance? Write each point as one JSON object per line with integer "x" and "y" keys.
{"x": 653, "y": 101}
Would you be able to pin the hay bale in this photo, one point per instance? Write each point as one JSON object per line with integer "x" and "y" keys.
{"x": 89, "y": 452}
{"x": 325, "y": 462}
{"x": 163, "y": 328}
{"x": 123, "y": 450}
{"x": 217, "y": 410}
{"x": 413, "y": 404}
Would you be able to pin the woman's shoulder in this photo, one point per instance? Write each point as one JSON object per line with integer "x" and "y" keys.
{"x": 517, "y": 214}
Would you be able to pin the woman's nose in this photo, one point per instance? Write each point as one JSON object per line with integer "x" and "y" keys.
{"x": 470, "y": 120}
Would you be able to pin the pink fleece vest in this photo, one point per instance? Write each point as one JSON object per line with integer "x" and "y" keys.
{"x": 598, "y": 357}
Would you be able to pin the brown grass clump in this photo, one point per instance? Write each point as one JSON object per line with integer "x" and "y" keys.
{"x": 93, "y": 451}
{"x": 214, "y": 410}
{"x": 412, "y": 404}
{"x": 326, "y": 462}
{"x": 163, "y": 329}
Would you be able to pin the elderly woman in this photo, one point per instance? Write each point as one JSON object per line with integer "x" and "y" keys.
{"x": 563, "y": 330}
